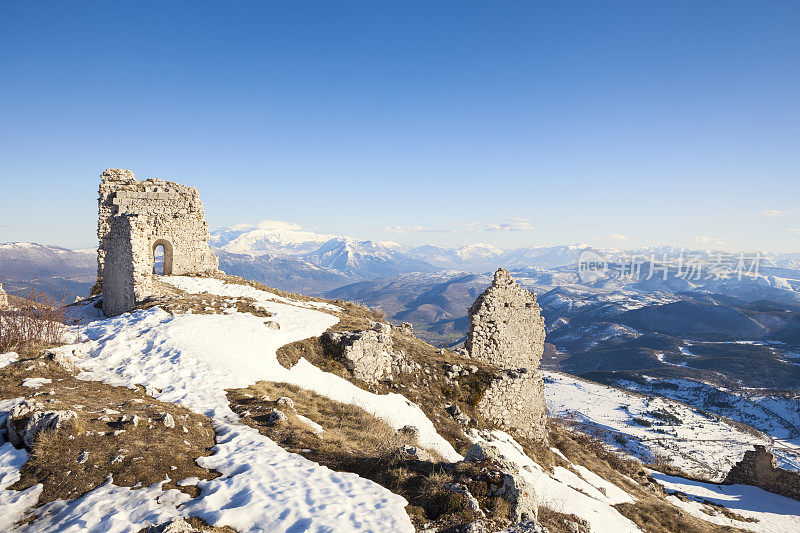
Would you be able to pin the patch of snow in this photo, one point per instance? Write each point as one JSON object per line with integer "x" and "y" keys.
{"x": 316, "y": 428}
{"x": 565, "y": 491}
{"x": 8, "y": 358}
{"x": 13, "y": 503}
{"x": 110, "y": 509}
{"x": 648, "y": 427}
{"x": 197, "y": 285}
{"x": 192, "y": 359}
{"x": 35, "y": 383}
{"x": 775, "y": 513}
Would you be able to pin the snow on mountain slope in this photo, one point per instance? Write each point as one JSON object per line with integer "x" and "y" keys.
{"x": 270, "y": 237}
{"x": 55, "y": 268}
{"x": 191, "y": 360}
{"x": 648, "y": 427}
{"x": 587, "y": 496}
{"x": 365, "y": 259}
{"x": 776, "y": 415}
{"x": 766, "y": 511}
{"x": 479, "y": 250}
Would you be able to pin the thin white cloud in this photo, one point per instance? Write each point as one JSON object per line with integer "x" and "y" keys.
{"x": 268, "y": 225}
{"x": 705, "y": 239}
{"x": 509, "y": 224}
{"x": 413, "y": 229}
{"x": 794, "y": 230}
{"x": 772, "y": 213}
{"x": 278, "y": 225}
{"x": 617, "y": 237}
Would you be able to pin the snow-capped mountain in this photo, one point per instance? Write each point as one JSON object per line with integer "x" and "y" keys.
{"x": 268, "y": 237}
{"x": 475, "y": 257}
{"x": 365, "y": 259}
{"x": 54, "y": 268}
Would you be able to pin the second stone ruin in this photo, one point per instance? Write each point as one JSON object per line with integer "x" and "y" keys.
{"x": 506, "y": 330}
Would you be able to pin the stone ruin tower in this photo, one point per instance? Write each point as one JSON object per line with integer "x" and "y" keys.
{"x": 3, "y": 298}
{"x": 506, "y": 330}
{"x": 134, "y": 219}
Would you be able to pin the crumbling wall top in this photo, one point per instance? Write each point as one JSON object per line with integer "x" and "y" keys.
{"x": 506, "y": 326}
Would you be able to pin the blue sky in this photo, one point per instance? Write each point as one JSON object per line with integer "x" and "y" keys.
{"x": 512, "y": 123}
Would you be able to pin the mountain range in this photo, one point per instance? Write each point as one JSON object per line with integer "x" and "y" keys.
{"x": 649, "y": 325}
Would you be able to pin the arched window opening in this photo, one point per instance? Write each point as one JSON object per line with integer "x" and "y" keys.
{"x": 162, "y": 258}
{"x": 158, "y": 260}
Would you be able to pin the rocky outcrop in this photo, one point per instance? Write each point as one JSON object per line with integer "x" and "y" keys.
{"x": 370, "y": 354}
{"x": 507, "y": 331}
{"x": 276, "y": 418}
{"x": 759, "y": 468}
{"x": 176, "y": 525}
{"x": 507, "y": 483}
{"x": 28, "y": 419}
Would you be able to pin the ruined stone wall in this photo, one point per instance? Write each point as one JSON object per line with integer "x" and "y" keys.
{"x": 759, "y": 468}
{"x": 505, "y": 325}
{"x": 514, "y": 402}
{"x": 3, "y": 298}
{"x": 507, "y": 331}
{"x": 158, "y": 213}
{"x": 128, "y": 274}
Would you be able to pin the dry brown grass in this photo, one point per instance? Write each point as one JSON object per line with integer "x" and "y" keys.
{"x": 144, "y": 454}
{"x": 428, "y": 388}
{"x": 348, "y": 428}
{"x": 203, "y": 304}
{"x": 658, "y": 516}
{"x": 356, "y": 441}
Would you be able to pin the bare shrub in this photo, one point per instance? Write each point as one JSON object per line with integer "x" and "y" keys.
{"x": 41, "y": 319}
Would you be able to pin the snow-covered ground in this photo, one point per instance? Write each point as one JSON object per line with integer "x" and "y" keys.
{"x": 191, "y": 360}
{"x": 771, "y": 512}
{"x": 579, "y": 491}
{"x": 778, "y": 416}
{"x": 8, "y": 358}
{"x": 649, "y": 427}
{"x": 12, "y": 503}
{"x": 586, "y": 495}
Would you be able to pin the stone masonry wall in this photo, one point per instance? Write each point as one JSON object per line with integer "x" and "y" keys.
{"x": 158, "y": 212}
{"x": 759, "y": 468}
{"x": 514, "y": 402}
{"x": 505, "y": 325}
{"x": 128, "y": 277}
{"x": 3, "y": 298}
{"x": 507, "y": 331}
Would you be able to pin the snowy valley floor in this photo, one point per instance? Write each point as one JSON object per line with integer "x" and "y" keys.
{"x": 191, "y": 359}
